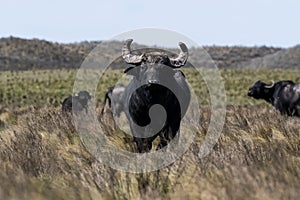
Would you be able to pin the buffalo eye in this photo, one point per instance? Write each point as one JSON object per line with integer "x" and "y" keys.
{"x": 266, "y": 90}
{"x": 143, "y": 67}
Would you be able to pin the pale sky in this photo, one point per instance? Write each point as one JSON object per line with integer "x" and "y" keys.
{"x": 207, "y": 22}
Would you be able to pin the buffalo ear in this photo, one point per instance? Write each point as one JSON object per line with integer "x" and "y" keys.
{"x": 130, "y": 71}
{"x": 181, "y": 73}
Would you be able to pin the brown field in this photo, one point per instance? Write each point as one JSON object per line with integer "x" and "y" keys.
{"x": 42, "y": 157}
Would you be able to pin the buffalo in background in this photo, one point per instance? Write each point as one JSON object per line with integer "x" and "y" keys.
{"x": 78, "y": 102}
{"x": 115, "y": 97}
{"x": 283, "y": 95}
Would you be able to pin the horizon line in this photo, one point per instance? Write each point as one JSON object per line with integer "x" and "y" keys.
{"x": 110, "y": 40}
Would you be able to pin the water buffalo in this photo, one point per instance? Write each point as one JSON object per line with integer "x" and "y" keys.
{"x": 283, "y": 95}
{"x": 114, "y": 95}
{"x": 79, "y": 102}
{"x": 157, "y": 96}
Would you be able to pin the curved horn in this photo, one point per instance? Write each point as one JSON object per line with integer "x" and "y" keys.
{"x": 270, "y": 86}
{"x": 181, "y": 58}
{"x": 128, "y": 57}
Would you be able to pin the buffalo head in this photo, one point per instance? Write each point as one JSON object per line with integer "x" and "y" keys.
{"x": 260, "y": 90}
{"x": 154, "y": 67}
{"x": 83, "y": 97}
{"x": 157, "y": 57}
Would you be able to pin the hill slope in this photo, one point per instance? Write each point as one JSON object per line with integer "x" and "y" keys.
{"x": 286, "y": 58}
{"x": 23, "y": 54}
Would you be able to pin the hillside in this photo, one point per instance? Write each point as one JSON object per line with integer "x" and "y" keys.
{"x": 23, "y": 54}
{"x": 286, "y": 58}
{"x": 231, "y": 57}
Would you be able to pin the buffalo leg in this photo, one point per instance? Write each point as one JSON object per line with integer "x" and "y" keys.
{"x": 168, "y": 134}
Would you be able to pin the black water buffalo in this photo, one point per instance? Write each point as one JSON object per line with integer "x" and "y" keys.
{"x": 115, "y": 97}
{"x": 157, "y": 96}
{"x": 283, "y": 95}
{"x": 79, "y": 102}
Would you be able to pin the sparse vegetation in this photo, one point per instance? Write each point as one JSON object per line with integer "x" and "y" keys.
{"x": 49, "y": 87}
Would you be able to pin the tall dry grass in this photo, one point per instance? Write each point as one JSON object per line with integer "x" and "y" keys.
{"x": 256, "y": 157}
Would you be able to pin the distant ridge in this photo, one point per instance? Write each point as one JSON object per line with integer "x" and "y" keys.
{"x": 24, "y": 54}
{"x": 284, "y": 59}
